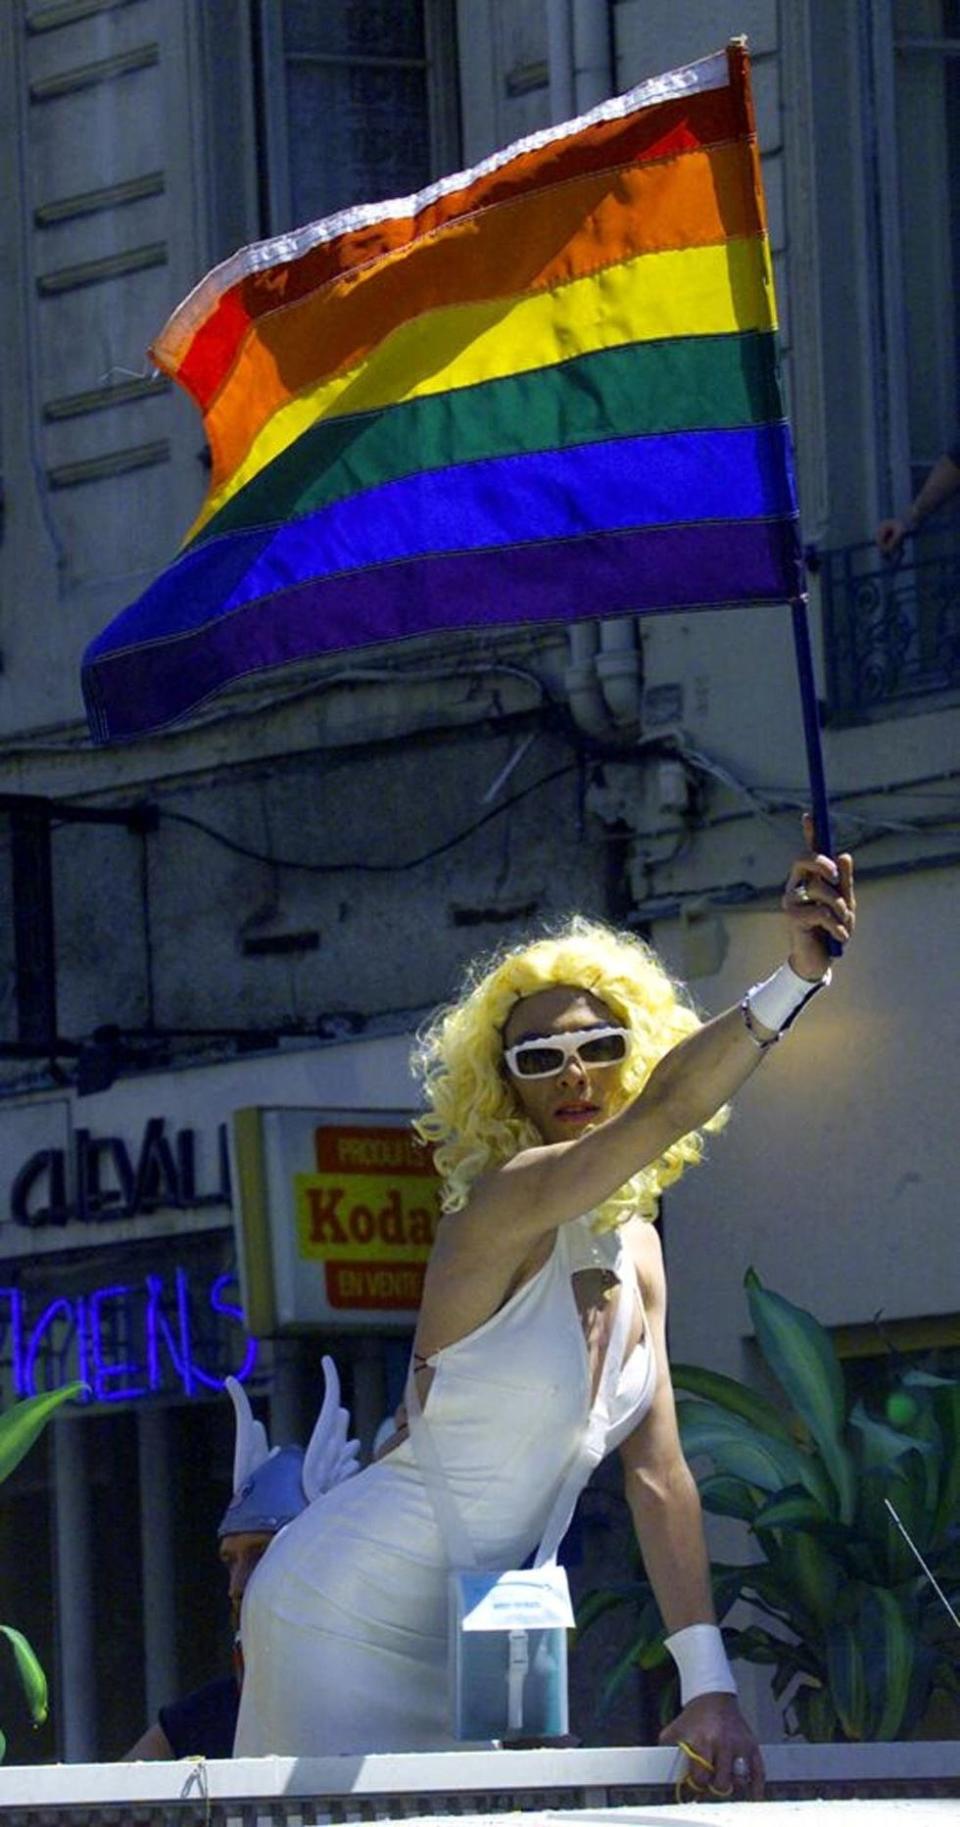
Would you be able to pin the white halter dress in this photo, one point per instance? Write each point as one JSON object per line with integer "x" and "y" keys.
{"x": 345, "y": 1619}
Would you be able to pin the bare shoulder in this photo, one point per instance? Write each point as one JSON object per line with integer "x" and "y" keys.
{"x": 503, "y": 1217}
{"x": 490, "y": 1223}
{"x": 481, "y": 1254}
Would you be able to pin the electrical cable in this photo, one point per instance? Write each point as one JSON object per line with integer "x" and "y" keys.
{"x": 347, "y": 865}
{"x": 742, "y": 894}
{"x": 769, "y": 802}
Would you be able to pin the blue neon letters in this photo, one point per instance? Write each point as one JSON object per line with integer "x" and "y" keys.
{"x": 126, "y": 1340}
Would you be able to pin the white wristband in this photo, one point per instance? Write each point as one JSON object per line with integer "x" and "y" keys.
{"x": 778, "y": 1001}
{"x": 702, "y": 1661}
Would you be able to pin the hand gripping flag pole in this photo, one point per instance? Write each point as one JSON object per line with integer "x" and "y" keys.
{"x": 543, "y": 389}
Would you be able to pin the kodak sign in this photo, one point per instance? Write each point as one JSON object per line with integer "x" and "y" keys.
{"x": 368, "y": 1213}
{"x": 335, "y": 1214}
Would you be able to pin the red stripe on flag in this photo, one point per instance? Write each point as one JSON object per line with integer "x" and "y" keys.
{"x": 705, "y": 119}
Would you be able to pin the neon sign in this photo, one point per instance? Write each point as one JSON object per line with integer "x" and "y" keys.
{"x": 127, "y": 1340}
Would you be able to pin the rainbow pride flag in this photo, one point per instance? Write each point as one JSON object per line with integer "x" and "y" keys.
{"x": 542, "y": 389}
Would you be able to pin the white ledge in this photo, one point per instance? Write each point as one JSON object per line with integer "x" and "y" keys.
{"x": 537, "y": 1779}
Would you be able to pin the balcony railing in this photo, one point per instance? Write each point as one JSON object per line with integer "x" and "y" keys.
{"x": 891, "y": 632}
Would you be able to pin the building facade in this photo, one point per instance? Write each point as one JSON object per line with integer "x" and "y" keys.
{"x": 259, "y": 907}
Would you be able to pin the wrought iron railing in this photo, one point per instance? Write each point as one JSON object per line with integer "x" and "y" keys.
{"x": 891, "y": 631}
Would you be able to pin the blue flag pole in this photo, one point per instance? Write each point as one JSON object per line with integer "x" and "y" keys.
{"x": 819, "y": 804}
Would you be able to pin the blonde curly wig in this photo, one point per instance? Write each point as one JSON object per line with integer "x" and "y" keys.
{"x": 472, "y": 1118}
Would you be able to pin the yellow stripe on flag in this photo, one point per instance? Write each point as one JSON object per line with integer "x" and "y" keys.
{"x": 701, "y": 291}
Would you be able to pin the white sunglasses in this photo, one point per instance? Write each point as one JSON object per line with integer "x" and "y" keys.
{"x": 547, "y": 1057}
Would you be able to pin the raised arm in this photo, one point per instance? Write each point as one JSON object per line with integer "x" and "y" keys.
{"x": 543, "y": 1188}
{"x": 505, "y": 1231}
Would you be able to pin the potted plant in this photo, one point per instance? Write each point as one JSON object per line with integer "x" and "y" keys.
{"x": 20, "y": 1426}
{"x": 854, "y": 1629}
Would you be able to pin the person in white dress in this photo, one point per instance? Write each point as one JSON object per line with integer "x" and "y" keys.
{"x": 566, "y": 1088}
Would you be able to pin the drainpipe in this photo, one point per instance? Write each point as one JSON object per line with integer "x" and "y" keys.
{"x": 563, "y": 101}
{"x": 593, "y": 64}
{"x": 619, "y": 671}
{"x": 602, "y": 678}
{"x": 584, "y": 695}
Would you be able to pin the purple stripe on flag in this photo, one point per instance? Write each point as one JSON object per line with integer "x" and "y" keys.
{"x": 608, "y": 486}
{"x": 543, "y": 495}
{"x": 683, "y": 567}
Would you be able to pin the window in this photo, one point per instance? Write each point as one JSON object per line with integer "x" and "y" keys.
{"x": 893, "y": 634}
{"x": 359, "y": 102}
{"x": 927, "y": 91}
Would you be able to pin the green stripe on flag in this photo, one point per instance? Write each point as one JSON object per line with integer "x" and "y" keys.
{"x": 693, "y": 383}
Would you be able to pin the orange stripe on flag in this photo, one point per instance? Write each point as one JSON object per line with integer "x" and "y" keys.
{"x": 200, "y": 341}
{"x": 525, "y": 246}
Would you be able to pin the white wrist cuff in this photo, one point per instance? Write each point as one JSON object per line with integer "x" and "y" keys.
{"x": 702, "y": 1661}
{"x": 777, "y": 1002}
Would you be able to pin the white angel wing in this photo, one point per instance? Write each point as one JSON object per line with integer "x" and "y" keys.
{"x": 251, "y": 1447}
{"x": 330, "y": 1457}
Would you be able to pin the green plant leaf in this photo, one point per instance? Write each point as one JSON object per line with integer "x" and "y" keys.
{"x": 887, "y": 1641}
{"x": 616, "y": 1678}
{"x": 739, "y": 1451}
{"x": 597, "y": 1603}
{"x": 801, "y": 1355}
{"x": 845, "y": 1673}
{"x": 885, "y": 1558}
{"x": 726, "y": 1584}
{"x": 793, "y": 1509}
{"x": 770, "y": 1591}
{"x": 854, "y": 1620}
{"x": 724, "y": 1496}
{"x": 881, "y": 1444}
{"x": 808, "y": 1570}
{"x": 669, "y": 1703}
{"x": 947, "y": 1679}
{"x": 24, "y": 1421}
{"x": 925, "y": 1431}
{"x": 653, "y": 1654}
{"x": 639, "y": 1656}
{"x": 947, "y": 1408}
{"x": 754, "y": 1644}
{"x": 3, "y": 1747}
{"x": 32, "y": 1678}
{"x": 908, "y": 1488}
{"x": 736, "y": 1397}
{"x": 763, "y": 1646}
{"x": 924, "y": 1680}
{"x": 815, "y": 1713}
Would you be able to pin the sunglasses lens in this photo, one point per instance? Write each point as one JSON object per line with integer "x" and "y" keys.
{"x": 538, "y": 1062}
{"x": 606, "y": 1050}
{"x": 538, "y": 1059}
